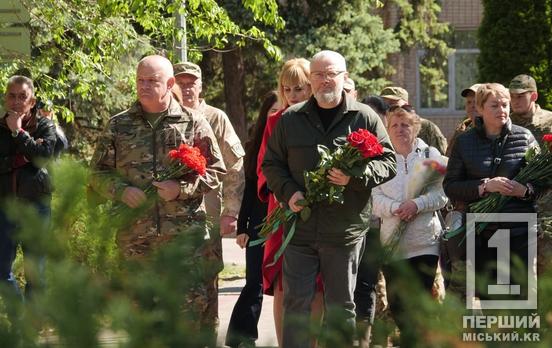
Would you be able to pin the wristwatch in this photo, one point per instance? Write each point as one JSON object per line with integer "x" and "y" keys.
{"x": 15, "y": 133}
{"x": 482, "y": 188}
{"x": 529, "y": 192}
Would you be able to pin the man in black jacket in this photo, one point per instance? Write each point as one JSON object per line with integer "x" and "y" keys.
{"x": 330, "y": 241}
{"x": 26, "y": 143}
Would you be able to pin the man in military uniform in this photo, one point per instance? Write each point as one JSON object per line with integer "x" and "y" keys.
{"x": 429, "y": 131}
{"x": 349, "y": 88}
{"x": 471, "y": 114}
{"x": 527, "y": 113}
{"x": 133, "y": 150}
{"x": 188, "y": 78}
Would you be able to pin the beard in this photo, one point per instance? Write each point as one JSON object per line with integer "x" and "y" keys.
{"x": 328, "y": 97}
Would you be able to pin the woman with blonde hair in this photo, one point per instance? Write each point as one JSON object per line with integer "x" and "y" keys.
{"x": 484, "y": 160}
{"x": 293, "y": 87}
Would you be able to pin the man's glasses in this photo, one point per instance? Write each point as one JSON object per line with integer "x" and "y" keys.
{"x": 406, "y": 107}
{"x": 322, "y": 75}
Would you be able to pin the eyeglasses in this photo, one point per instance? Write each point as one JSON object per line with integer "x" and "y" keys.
{"x": 406, "y": 107}
{"x": 322, "y": 75}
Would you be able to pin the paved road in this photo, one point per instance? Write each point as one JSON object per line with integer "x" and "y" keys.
{"x": 228, "y": 295}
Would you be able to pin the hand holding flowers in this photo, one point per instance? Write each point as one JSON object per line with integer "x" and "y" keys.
{"x": 537, "y": 171}
{"x": 427, "y": 174}
{"x": 324, "y": 184}
{"x": 186, "y": 160}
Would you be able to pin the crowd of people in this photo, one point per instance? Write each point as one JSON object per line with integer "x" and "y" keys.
{"x": 329, "y": 270}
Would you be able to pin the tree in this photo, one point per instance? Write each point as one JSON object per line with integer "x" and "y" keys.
{"x": 349, "y": 27}
{"x": 84, "y": 52}
{"x": 357, "y": 29}
{"x": 517, "y": 39}
{"x": 419, "y": 27}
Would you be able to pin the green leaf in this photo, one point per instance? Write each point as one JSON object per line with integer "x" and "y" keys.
{"x": 302, "y": 202}
{"x": 305, "y": 213}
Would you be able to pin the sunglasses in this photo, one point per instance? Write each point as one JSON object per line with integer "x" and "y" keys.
{"x": 406, "y": 107}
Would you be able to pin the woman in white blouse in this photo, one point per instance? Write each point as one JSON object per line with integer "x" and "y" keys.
{"x": 413, "y": 265}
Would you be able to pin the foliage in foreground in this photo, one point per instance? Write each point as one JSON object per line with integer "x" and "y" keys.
{"x": 90, "y": 288}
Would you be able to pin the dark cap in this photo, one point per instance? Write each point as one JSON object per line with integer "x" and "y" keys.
{"x": 522, "y": 83}
{"x": 395, "y": 93}
{"x": 187, "y": 68}
{"x": 472, "y": 88}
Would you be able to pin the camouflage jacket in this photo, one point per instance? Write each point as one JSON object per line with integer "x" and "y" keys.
{"x": 131, "y": 152}
{"x": 233, "y": 182}
{"x": 432, "y": 135}
{"x": 461, "y": 127}
{"x": 539, "y": 122}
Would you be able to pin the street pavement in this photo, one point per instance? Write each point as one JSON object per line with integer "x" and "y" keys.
{"x": 229, "y": 292}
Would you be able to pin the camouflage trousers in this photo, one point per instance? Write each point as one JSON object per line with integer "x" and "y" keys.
{"x": 203, "y": 262}
{"x": 213, "y": 253}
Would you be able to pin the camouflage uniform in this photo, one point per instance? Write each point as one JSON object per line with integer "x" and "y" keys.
{"x": 233, "y": 182}
{"x": 539, "y": 122}
{"x": 432, "y": 135}
{"x": 228, "y": 197}
{"x": 131, "y": 152}
{"x": 463, "y": 126}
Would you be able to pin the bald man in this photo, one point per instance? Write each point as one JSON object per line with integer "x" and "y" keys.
{"x": 134, "y": 148}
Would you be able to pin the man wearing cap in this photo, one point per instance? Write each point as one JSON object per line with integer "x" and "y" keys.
{"x": 349, "y": 87}
{"x": 527, "y": 113}
{"x": 228, "y": 197}
{"x": 429, "y": 131}
{"x": 471, "y": 113}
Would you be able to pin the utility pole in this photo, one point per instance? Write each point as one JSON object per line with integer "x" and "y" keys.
{"x": 181, "y": 46}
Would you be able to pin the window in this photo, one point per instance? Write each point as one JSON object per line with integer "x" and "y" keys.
{"x": 461, "y": 73}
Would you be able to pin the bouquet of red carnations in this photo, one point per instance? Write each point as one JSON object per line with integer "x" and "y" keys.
{"x": 538, "y": 171}
{"x": 351, "y": 157}
{"x": 184, "y": 160}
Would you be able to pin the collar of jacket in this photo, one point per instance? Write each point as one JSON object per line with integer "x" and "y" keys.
{"x": 480, "y": 128}
{"x": 526, "y": 118}
{"x": 310, "y": 108}
{"x": 175, "y": 110}
{"x": 202, "y": 106}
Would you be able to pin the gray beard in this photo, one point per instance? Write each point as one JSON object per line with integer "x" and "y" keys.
{"x": 328, "y": 97}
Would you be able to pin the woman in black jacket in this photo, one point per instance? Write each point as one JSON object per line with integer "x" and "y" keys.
{"x": 485, "y": 159}
{"x": 26, "y": 144}
{"x": 242, "y": 328}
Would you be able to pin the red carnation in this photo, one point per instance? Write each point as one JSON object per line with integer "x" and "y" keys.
{"x": 190, "y": 157}
{"x": 174, "y": 154}
{"x": 547, "y": 138}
